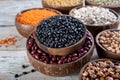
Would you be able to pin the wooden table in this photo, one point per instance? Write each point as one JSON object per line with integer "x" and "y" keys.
{"x": 11, "y": 60}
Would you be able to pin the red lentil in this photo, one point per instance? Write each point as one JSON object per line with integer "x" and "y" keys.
{"x": 8, "y": 41}
{"x": 34, "y": 16}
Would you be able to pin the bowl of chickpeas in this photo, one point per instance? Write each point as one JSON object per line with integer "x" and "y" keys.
{"x": 107, "y": 44}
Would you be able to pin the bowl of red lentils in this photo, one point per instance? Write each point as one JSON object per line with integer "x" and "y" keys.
{"x": 27, "y": 20}
{"x": 112, "y": 4}
{"x": 108, "y": 44}
{"x": 101, "y": 69}
{"x": 55, "y": 65}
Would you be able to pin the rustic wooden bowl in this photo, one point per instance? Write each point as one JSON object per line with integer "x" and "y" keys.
{"x": 103, "y": 52}
{"x": 62, "y": 9}
{"x": 24, "y": 29}
{"x": 64, "y": 50}
{"x": 115, "y": 7}
{"x": 61, "y": 51}
{"x": 60, "y": 69}
{"x": 95, "y": 29}
{"x": 82, "y": 70}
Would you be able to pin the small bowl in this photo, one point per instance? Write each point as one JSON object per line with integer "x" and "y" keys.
{"x": 82, "y": 70}
{"x": 60, "y": 69}
{"x": 95, "y": 29}
{"x": 62, "y": 9}
{"x": 104, "y": 53}
{"x": 115, "y": 7}
{"x": 24, "y": 29}
{"x": 64, "y": 50}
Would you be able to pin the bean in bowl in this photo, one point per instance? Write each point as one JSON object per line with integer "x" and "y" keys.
{"x": 110, "y": 40}
{"x": 105, "y": 2}
{"x": 93, "y": 15}
{"x": 60, "y": 31}
{"x": 39, "y": 54}
{"x": 103, "y": 69}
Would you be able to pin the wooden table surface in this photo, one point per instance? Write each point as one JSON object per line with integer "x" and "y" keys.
{"x": 11, "y": 60}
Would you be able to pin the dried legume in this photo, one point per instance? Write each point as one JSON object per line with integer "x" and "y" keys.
{"x": 62, "y": 3}
{"x": 92, "y": 15}
{"x": 105, "y": 2}
{"x": 102, "y": 70}
{"x": 60, "y": 31}
{"x": 38, "y": 54}
{"x": 110, "y": 40}
{"x": 24, "y": 73}
{"x": 10, "y": 41}
{"x": 34, "y": 16}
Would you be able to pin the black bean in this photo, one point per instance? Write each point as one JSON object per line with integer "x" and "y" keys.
{"x": 33, "y": 70}
{"x": 25, "y": 66}
{"x": 16, "y": 75}
{"x": 24, "y": 73}
{"x": 60, "y": 29}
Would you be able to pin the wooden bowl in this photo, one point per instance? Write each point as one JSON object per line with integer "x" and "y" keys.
{"x": 61, "y": 51}
{"x": 24, "y": 29}
{"x": 60, "y": 69}
{"x": 115, "y": 7}
{"x": 64, "y": 50}
{"x": 82, "y": 70}
{"x": 103, "y": 52}
{"x": 61, "y": 8}
{"x": 95, "y": 29}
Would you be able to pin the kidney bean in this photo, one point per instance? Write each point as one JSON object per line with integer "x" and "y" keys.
{"x": 39, "y": 51}
{"x": 51, "y": 59}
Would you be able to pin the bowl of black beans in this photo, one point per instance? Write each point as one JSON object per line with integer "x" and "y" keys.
{"x": 54, "y": 65}
{"x": 60, "y": 35}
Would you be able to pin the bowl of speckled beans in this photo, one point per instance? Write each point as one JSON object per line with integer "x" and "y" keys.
{"x": 101, "y": 69}
{"x": 96, "y": 18}
{"x": 108, "y": 44}
{"x": 112, "y": 4}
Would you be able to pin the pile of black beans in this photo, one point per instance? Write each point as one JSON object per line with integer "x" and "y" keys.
{"x": 60, "y": 31}
{"x": 39, "y": 54}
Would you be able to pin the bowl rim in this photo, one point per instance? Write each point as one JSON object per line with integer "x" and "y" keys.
{"x": 114, "y": 12}
{"x": 43, "y": 2}
{"x": 97, "y": 41}
{"x": 25, "y": 10}
{"x": 92, "y": 47}
{"x": 102, "y": 59}
{"x": 70, "y": 45}
{"x": 108, "y": 6}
